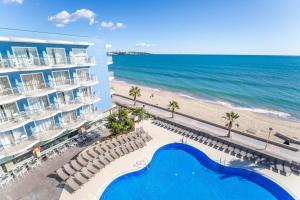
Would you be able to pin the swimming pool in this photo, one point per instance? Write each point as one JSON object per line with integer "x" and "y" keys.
{"x": 179, "y": 171}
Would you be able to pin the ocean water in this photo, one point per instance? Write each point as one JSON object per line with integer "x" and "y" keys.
{"x": 176, "y": 174}
{"x": 263, "y": 84}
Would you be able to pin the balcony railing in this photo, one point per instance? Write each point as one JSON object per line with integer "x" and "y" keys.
{"x": 10, "y": 91}
{"x": 14, "y": 121}
{"x": 36, "y": 88}
{"x": 46, "y": 61}
{"x": 86, "y": 80}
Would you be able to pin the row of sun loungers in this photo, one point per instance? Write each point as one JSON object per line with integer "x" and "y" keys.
{"x": 241, "y": 151}
{"x": 79, "y": 170}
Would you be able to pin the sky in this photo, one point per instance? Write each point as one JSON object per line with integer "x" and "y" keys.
{"x": 166, "y": 26}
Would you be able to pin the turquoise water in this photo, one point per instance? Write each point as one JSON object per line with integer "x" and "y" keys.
{"x": 263, "y": 84}
{"x": 179, "y": 172}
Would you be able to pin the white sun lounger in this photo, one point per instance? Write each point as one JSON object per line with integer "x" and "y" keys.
{"x": 86, "y": 156}
{"x": 98, "y": 164}
{"x": 123, "y": 148}
{"x": 69, "y": 169}
{"x": 81, "y": 179}
{"x": 121, "y": 139}
{"x": 75, "y": 165}
{"x": 114, "y": 155}
{"x": 81, "y": 161}
{"x": 125, "y": 138}
{"x": 104, "y": 147}
{"x": 92, "y": 153}
{"x": 103, "y": 161}
{"x": 119, "y": 152}
{"x": 109, "y": 157}
{"x": 139, "y": 144}
{"x": 72, "y": 184}
{"x": 99, "y": 150}
{"x": 115, "y": 142}
{"x": 130, "y": 149}
{"x": 134, "y": 146}
{"x": 61, "y": 174}
{"x": 92, "y": 168}
{"x": 85, "y": 172}
{"x": 109, "y": 144}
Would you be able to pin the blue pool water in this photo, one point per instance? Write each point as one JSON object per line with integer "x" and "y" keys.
{"x": 179, "y": 171}
{"x": 263, "y": 84}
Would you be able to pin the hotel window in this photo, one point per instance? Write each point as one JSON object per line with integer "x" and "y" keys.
{"x": 5, "y": 86}
{"x": 57, "y": 56}
{"x": 80, "y": 55}
{"x": 7, "y": 138}
{"x": 8, "y": 112}
{"x": 26, "y": 56}
{"x": 38, "y": 103}
{"x": 61, "y": 77}
{"x": 33, "y": 81}
{"x": 45, "y": 124}
{"x": 64, "y": 97}
{"x": 83, "y": 74}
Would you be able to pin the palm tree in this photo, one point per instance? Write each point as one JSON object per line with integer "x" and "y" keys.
{"x": 231, "y": 117}
{"x": 172, "y": 106}
{"x": 135, "y": 92}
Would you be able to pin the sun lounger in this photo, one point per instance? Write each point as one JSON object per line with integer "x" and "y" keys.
{"x": 120, "y": 140}
{"x": 113, "y": 154}
{"x": 103, "y": 161}
{"x": 86, "y": 156}
{"x": 69, "y": 169}
{"x": 287, "y": 169}
{"x": 123, "y": 148}
{"x": 75, "y": 165}
{"x": 99, "y": 150}
{"x": 104, "y": 147}
{"x": 207, "y": 141}
{"x": 98, "y": 164}
{"x": 85, "y": 172}
{"x": 109, "y": 157}
{"x": 81, "y": 179}
{"x": 81, "y": 161}
{"x": 92, "y": 168}
{"x": 109, "y": 144}
{"x": 61, "y": 174}
{"x": 130, "y": 149}
{"x": 115, "y": 142}
{"x": 72, "y": 184}
{"x": 139, "y": 144}
{"x": 119, "y": 152}
{"x": 92, "y": 153}
{"x": 134, "y": 146}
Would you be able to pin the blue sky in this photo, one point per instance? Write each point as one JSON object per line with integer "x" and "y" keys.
{"x": 167, "y": 26}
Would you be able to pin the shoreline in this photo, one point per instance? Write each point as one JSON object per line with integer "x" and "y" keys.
{"x": 257, "y": 123}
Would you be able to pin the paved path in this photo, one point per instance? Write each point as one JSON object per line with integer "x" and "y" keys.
{"x": 281, "y": 152}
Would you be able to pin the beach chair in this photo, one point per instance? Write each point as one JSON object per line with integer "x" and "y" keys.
{"x": 115, "y": 142}
{"x": 86, "y": 156}
{"x": 61, "y": 174}
{"x": 92, "y": 168}
{"x": 119, "y": 152}
{"x": 139, "y": 144}
{"x": 109, "y": 157}
{"x": 120, "y": 140}
{"x": 103, "y": 161}
{"x": 109, "y": 144}
{"x": 85, "y": 172}
{"x": 287, "y": 169}
{"x": 81, "y": 179}
{"x": 98, "y": 164}
{"x": 130, "y": 149}
{"x": 104, "y": 147}
{"x": 125, "y": 139}
{"x": 134, "y": 146}
{"x": 81, "y": 161}
{"x": 69, "y": 169}
{"x": 71, "y": 183}
{"x": 99, "y": 150}
{"x": 75, "y": 165}
{"x": 125, "y": 151}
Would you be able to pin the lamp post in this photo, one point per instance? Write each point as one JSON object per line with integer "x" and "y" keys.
{"x": 270, "y": 130}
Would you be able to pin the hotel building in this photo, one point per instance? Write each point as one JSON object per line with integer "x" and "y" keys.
{"x": 48, "y": 90}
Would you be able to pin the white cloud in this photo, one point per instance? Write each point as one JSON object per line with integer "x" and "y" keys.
{"x": 109, "y": 25}
{"x": 108, "y": 46}
{"x": 143, "y": 44}
{"x": 19, "y": 2}
{"x": 63, "y": 18}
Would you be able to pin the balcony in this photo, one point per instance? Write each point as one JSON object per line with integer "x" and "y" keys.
{"x": 73, "y": 123}
{"x": 50, "y": 133}
{"x": 70, "y": 105}
{"x": 9, "y": 95}
{"x": 91, "y": 99}
{"x": 43, "y": 113}
{"x": 11, "y": 123}
{"x": 19, "y": 147}
{"x": 37, "y": 90}
{"x": 93, "y": 116}
{"x": 87, "y": 81}
{"x": 65, "y": 85}
{"x": 45, "y": 62}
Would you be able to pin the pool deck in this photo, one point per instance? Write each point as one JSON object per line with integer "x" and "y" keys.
{"x": 93, "y": 189}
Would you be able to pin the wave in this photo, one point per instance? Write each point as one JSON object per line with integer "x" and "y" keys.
{"x": 256, "y": 110}
{"x": 187, "y": 96}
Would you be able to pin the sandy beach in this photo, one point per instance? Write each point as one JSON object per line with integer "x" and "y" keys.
{"x": 249, "y": 122}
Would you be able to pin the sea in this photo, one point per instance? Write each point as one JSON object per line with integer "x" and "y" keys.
{"x": 267, "y": 85}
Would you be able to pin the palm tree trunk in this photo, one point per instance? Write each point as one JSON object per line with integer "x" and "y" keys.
{"x": 229, "y": 129}
{"x": 134, "y": 100}
{"x": 172, "y": 113}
